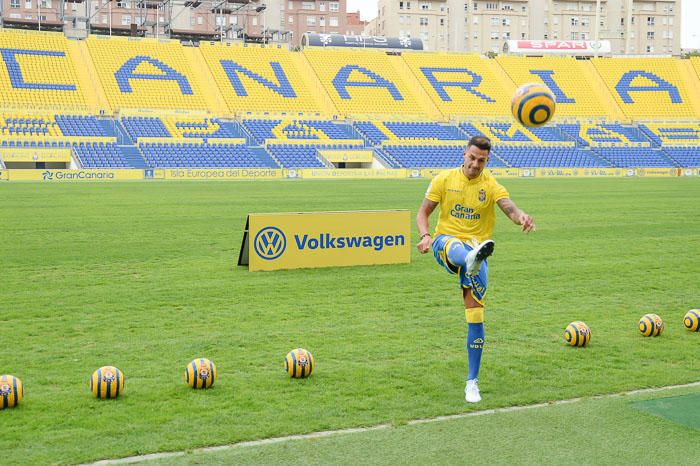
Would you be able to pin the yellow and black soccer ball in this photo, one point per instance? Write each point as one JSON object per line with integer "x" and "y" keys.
{"x": 107, "y": 382}
{"x": 11, "y": 391}
{"x": 692, "y": 320}
{"x": 651, "y": 325}
{"x": 200, "y": 373}
{"x": 299, "y": 363}
{"x": 533, "y": 104}
{"x": 577, "y": 334}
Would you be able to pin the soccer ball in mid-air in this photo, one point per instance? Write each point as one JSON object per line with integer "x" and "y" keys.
{"x": 651, "y": 325}
{"x": 692, "y": 320}
{"x": 11, "y": 391}
{"x": 299, "y": 363}
{"x": 107, "y": 382}
{"x": 577, "y": 334}
{"x": 533, "y": 104}
{"x": 200, "y": 373}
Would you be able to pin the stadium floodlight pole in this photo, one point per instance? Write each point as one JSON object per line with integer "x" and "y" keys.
{"x": 109, "y": 10}
{"x": 38, "y": 14}
{"x": 596, "y": 28}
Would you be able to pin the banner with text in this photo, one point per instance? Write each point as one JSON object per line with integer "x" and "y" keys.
{"x": 326, "y": 239}
{"x": 364, "y": 156}
{"x": 75, "y": 175}
{"x": 216, "y": 174}
{"x": 35, "y": 155}
{"x": 348, "y": 173}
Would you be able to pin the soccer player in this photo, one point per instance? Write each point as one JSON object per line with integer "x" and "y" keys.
{"x": 467, "y": 197}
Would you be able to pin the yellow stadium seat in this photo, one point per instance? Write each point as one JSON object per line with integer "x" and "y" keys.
{"x": 40, "y": 73}
{"x": 146, "y": 74}
{"x": 368, "y": 82}
{"x": 462, "y": 85}
{"x": 646, "y": 88}
{"x": 260, "y": 79}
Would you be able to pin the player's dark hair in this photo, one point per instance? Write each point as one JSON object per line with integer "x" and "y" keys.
{"x": 482, "y": 142}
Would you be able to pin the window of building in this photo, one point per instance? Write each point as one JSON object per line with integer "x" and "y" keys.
{"x": 522, "y": 35}
{"x": 491, "y": 6}
{"x": 651, "y": 20}
{"x": 585, "y": 22}
{"x": 574, "y": 35}
{"x": 400, "y": 5}
{"x": 401, "y": 19}
{"x": 650, "y": 35}
{"x": 506, "y": 22}
{"x": 14, "y": 3}
{"x": 425, "y": 6}
{"x": 423, "y": 21}
{"x": 126, "y": 20}
{"x": 290, "y": 19}
{"x": 476, "y": 20}
{"x": 311, "y": 21}
{"x": 322, "y": 6}
{"x": 506, "y": 36}
{"x": 45, "y": 3}
{"x": 424, "y": 36}
{"x": 650, "y": 49}
{"x": 290, "y": 5}
{"x": 322, "y": 21}
{"x": 308, "y": 6}
{"x": 476, "y": 5}
{"x": 28, "y": 5}
{"x": 334, "y": 6}
{"x": 668, "y": 34}
{"x": 507, "y": 7}
{"x": 200, "y": 20}
{"x": 495, "y": 21}
{"x": 574, "y": 20}
{"x": 442, "y": 21}
{"x": 494, "y": 36}
{"x": 333, "y": 21}
{"x": 584, "y": 36}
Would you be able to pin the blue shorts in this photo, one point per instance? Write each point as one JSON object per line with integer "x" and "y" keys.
{"x": 477, "y": 283}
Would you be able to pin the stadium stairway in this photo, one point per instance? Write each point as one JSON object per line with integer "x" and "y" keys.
{"x": 385, "y": 158}
{"x": 133, "y": 156}
{"x": 265, "y": 156}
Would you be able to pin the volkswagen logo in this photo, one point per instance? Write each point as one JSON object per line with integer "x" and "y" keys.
{"x": 270, "y": 243}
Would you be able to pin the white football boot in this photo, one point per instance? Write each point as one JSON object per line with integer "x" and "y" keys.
{"x": 471, "y": 391}
{"x": 478, "y": 255}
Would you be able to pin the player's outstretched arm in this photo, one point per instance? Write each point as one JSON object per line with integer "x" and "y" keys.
{"x": 516, "y": 215}
{"x": 426, "y": 208}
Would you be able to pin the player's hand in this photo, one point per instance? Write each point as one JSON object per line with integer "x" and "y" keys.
{"x": 527, "y": 222}
{"x": 425, "y": 244}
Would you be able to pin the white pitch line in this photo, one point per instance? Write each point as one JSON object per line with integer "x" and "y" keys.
{"x": 331, "y": 433}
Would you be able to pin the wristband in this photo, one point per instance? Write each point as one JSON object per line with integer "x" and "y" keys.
{"x": 424, "y": 235}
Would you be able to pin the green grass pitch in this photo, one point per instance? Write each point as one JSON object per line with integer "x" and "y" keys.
{"x": 142, "y": 276}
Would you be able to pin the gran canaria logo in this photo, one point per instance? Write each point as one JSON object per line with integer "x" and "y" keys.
{"x": 270, "y": 243}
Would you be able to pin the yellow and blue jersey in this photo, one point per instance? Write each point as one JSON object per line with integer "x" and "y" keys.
{"x": 467, "y": 207}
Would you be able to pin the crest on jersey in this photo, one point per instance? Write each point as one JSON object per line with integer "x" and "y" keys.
{"x": 482, "y": 195}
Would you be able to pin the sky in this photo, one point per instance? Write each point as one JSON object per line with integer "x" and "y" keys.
{"x": 690, "y": 13}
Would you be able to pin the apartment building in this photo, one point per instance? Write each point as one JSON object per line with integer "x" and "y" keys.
{"x": 632, "y": 27}
{"x": 259, "y": 20}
